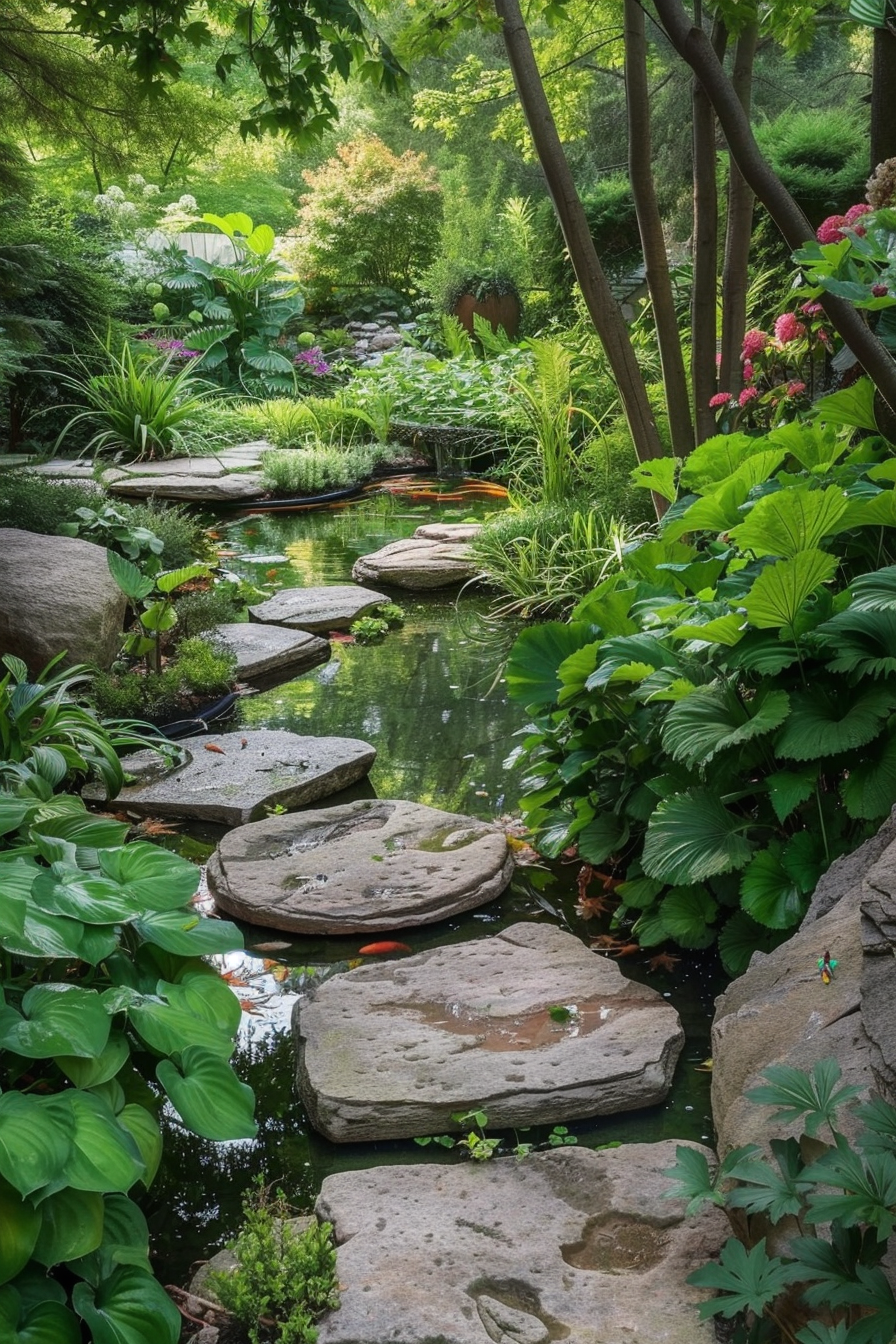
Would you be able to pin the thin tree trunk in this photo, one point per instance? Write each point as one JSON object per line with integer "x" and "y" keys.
{"x": 650, "y": 227}
{"x": 96, "y": 172}
{"x": 694, "y": 47}
{"x": 735, "y": 271}
{"x": 883, "y": 97}
{"x": 705, "y": 247}
{"x": 602, "y": 307}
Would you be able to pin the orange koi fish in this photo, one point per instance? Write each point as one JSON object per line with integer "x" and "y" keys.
{"x": 380, "y": 949}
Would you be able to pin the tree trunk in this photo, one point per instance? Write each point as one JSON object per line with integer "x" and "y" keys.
{"x": 650, "y": 227}
{"x": 883, "y": 97}
{"x": 705, "y": 248}
{"x": 602, "y": 307}
{"x": 735, "y": 271}
{"x": 694, "y": 47}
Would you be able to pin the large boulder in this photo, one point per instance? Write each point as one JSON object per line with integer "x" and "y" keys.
{"x": 234, "y": 777}
{"x": 56, "y": 593}
{"x": 571, "y": 1244}
{"x": 418, "y": 562}
{"x": 366, "y": 867}
{"x": 391, "y": 1050}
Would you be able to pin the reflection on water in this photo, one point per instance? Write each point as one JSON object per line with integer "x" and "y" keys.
{"x": 428, "y": 699}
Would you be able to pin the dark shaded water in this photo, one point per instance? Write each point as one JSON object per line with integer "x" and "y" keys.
{"x": 429, "y": 699}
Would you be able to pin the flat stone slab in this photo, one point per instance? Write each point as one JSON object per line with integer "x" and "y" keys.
{"x": 225, "y": 781}
{"x": 317, "y": 610}
{"x": 239, "y": 485}
{"x": 205, "y": 466}
{"x": 570, "y": 1244}
{"x": 417, "y": 562}
{"x": 263, "y": 649}
{"x": 64, "y": 468}
{"x": 390, "y": 1050}
{"x": 368, "y": 867}
{"x": 448, "y": 531}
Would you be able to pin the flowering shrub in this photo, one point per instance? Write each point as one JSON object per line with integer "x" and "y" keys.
{"x": 781, "y": 371}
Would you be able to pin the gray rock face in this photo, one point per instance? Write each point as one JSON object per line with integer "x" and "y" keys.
{"x": 238, "y": 485}
{"x": 317, "y": 610}
{"x": 225, "y": 781}
{"x": 263, "y": 649}
{"x": 57, "y": 593}
{"x": 370, "y": 866}
{"x": 390, "y": 1050}
{"x": 418, "y": 562}
{"x": 570, "y": 1244}
{"x": 448, "y": 531}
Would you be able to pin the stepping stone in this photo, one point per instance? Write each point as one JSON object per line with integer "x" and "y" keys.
{"x": 239, "y": 485}
{"x": 417, "y": 562}
{"x": 371, "y": 866}
{"x": 448, "y": 531}
{"x": 263, "y": 649}
{"x": 569, "y": 1244}
{"x": 389, "y": 1051}
{"x": 318, "y": 610}
{"x": 205, "y": 466}
{"x": 224, "y": 781}
{"x": 65, "y": 468}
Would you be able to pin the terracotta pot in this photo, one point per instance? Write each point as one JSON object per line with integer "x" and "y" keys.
{"x": 499, "y": 310}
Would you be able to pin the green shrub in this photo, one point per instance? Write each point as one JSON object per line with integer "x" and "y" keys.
{"x": 282, "y": 1275}
{"x": 289, "y": 422}
{"x": 314, "y": 470}
{"x": 198, "y": 667}
{"x": 460, "y": 391}
{"x": 36, "y": 504}
{"x": 822, "y": 160}
{"x": 199, "y": 612}
{"x": 605, "y": 463}
{"x": 181, "y": 533}
{"x": 204, "y": 665}
{"x": 732, "y": 693}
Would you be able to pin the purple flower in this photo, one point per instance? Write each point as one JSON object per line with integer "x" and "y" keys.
{"x": 313, "y": 360}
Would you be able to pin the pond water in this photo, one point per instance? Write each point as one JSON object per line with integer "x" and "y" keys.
{"x": 431, "y": 701}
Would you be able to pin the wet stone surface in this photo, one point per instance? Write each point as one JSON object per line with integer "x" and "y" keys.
{"x": 224, "y": 780}
{"x": 418, "y": 563}
{"x": 391, "y": 1050}
{"x": 370, "y": 866}
{"x": 318, "y": 610}
{"x": 263, "y": 650}
{"x": 571, "y": 1244}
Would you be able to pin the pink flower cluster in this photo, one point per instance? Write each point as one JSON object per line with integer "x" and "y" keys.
{"x": 755, "y": 342}
{"x": 830, "y": 230}
{"x": 720, "y": 399}
{"x": 176, "y": 348}
{"x": 788, "y": 328}
{"x": 313, "y": 360}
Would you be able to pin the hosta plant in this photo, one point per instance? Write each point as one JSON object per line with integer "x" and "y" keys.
{"x": 717, "y": 722}
{"x": 831, "y": 1217}
{"x": 108, "y": 1011}
{"x": 157, "y": 615}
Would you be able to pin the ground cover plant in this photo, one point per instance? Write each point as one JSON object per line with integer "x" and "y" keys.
{"x": 318, "y": 468}
{"x": 715, "y": 723}
{"x": 846, "y": 1195}
{"x": 106, "y": 1009}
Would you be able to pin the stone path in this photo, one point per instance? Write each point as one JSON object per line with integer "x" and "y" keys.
{"x": 264, "y": 652}
{"x": 437, "y": 556}
{"x": 391, "y": 1050}
{"x": 370, "y": 866}
{"x": 570, "y": 1244}
{"x": 318, "y": 610}
{"x": 225, "y": 781}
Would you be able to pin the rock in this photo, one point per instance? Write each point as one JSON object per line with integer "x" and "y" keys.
{"x": 779, "y": 1012}
{"x": 418, "y": 563}
{"x": 448, "y": 531}
{"x": 224, "y": 781}
{"x": 846, "y": 873}
{"x": 56, "y": 593}
{"x": 368, "y": 867}
{"x": 370, "y": 326}
{"x": 64, "y": 468}
{"x": 238, "y": 485}
{"x": 386, "y": 340}
{"x": 209, "y": 1334}
{"x": 263, "y": 649}
{"x": 878, "y": 995}
{"x": 570, "y": 1244}
{"x": 391, "y": 1050}
{"x": 206, "y": 467}
{"x": 317, "y": 610}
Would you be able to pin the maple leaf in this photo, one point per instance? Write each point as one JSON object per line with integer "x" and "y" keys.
{"x": 250, "y": 1006}
{"x": 589, "y": 907}
{"x": 156, "y": 826}
{"x": 663, "y": 961}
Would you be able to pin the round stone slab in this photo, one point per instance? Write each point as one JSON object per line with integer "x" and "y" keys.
{"x": 265, "y": 649}
{"x": 389, "y": 1051}
{"x": 418, "y": 562}
{"x": 317, "y": 610}
{"x": 569, "y": 1244}
{"x": 225, "y": 781}
{"x": 367, "y": 867}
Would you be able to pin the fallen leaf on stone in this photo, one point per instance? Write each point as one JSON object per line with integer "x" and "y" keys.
{"x": 210, "y": 746}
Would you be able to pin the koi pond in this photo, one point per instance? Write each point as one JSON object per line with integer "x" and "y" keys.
{"x": 431, "y": 699}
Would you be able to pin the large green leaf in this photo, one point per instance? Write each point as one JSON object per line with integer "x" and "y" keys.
{"x": 103, "y": 1155}
{"x": 41, "y": 1323}
{"x": 157, "y": 878}
{"x": 72, "y": 1226}
{"x": 867, "y": 1185}
{"x": 537, "y": 654}
{"x": 657, "y": 475}
{"x": 863, "y": 642}
{"x": 187, "y": 934}
{"x": 788, "y": 788}
{"x": 692, "y": 836}
{"x": 209, "y": 996}
{"x": 716, "y": 458}
{"x": 35, "y": 1144}
{"x": 824, "y": 724}
{"x": 744, "y": 1280}
{"x": 208, "y": 1096}
{"x": 20, "y": 1223}
{"x": 713, "y": 719}
{"x": 813, "y": 1097}
{"x": 790, "y": 521}
{"x": 604, "y": 835}
{"x": 741, "y": 937}
{"x": 94, "y": 900}
{"x": 46, "y": 935}
{"x": 125, "y": 1240}
{"x": 687, "y": 914}
{"x": 130, "y": 1307}
{"x": 91, "y": 1072}
{"x": 875, "y": 591}
{"x": 168, "y": 1030}
{"x": 869, "y": 790}
{"x": 259, "y": 355}
{"x": 56, "y": 1019}
{"x": 778, "y": 1194}
{"x": 851, "y": 405}
{"x": 144, "y": 1130}
{"x": 775, "y": 599}
{"x": 630, "y": 658}
{"x": 768, "y": 892}
{"x": 169, "y": 579}
{"x": 132, "y": 581}
{"x": 813, "y": 445}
